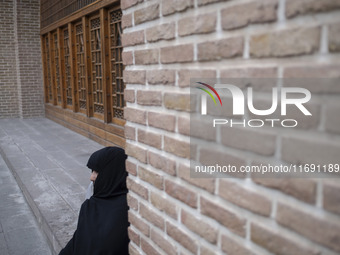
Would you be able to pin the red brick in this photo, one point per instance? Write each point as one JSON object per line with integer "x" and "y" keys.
{"x": 147, "y": 97}
{"x": 163, "y": 204}
{"x": 151, "y": 216}
{"x": 331, "y": 197}
{"x": 202, "y": 129}
{"x": 133, "y": 38}
{"x": 181, "y": 237}
{"x": 130, "y": 132}
{"x": 205, "y": 2}
{"x": 197, "y": 225}
{"x": 227, "y": 218}
{"x": 163, "y": 121}
{"x": 161, "y": 32}
{"x": 172, "y": 6}
{"x": 244, "y": 197}
{"x": 206, "y": 251}
{"x": 146, "y": 57}
{"x": 183, "y": 126}
{"x": 308, "y": 151}
{"x": 177, "y": 147}
{"x": 302, "y": 189}
{"x": 139, "y": 223}
{"x": 163, "y": 163}
{"x": 136, "y": 152}
{"x": 163, "y": 243}
{"x": 177, "y": 54}
{"x": 127, "y": 58}
{"x": 154, "y": 179}
{"x": 148, "y": 248}
{"x": 276, "y": 242}
{"x": 319, "y": 229}
{"x": 231, "y": 246}
{"x": 181, "y": 193}
{"x": 334, "y": 37}
{"x": 207, "y": 184}
{"x": 133, "y": 250}
{"x": 289, "y": 42}
{"x": 294, "y": 7}
{"x": 248, "y": 139}
{"x": 200, "y": 24}
{"x": 146, "y": 14}
{"x": 250, "y": 72}
{"x": 252, "y": 77}
{"x": 129, "y": 95}
{"x": 137, "y": 188}
{"x": 150, "y": 138}
{"x": 220, "y": 49}
{"x": 292, "y": 112}
{"x": 237, "y": 16}
{"x": 134, "y": 115}
{"x": 131, "y": 168}
{"x": 127, "y": 20}
{"x": 332, "y": 118}
{"x": 132, "y": 202}
{"x": 177, "y": 101}
{"x": 134, "y": 77}
{"x": 310, "y": 73}
{"x": 211, "y": 157}
{"x": 134, "y": 236}
{"x": 185, "y": 75}
{"x": 165, "y": 77}
{"x": 129, "y": 3}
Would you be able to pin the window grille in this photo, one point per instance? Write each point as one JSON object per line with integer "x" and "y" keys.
{"x": 52, "y": 11}
{"x": 56, "y": 60}
{"x": 81, "y": 66}
{"x": 49, "y": 80}
{"x": 97, "y": 79}
{"x": 67, "y": 68}
{"x": 116, "y": 64}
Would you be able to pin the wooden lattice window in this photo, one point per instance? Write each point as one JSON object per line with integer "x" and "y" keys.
{"x": 97, "y": 79}
{"x": 56, "y": 61}
{"x": 83, "y": 65}
{"x": 116, "y": 64}
{"x": 67, "y": 68}
{"x": 80, "y": 50}
{"x": 48, "y": 70}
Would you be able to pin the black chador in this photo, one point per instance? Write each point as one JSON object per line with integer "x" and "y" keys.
{"x": 103, "y": 221}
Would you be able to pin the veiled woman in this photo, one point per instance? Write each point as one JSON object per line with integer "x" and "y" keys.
{"x": 103, "y": 221}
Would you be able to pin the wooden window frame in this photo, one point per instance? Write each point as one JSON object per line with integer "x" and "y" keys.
{"x": 113, "y": 118}
{"x": 52, "y": 68}
{"x": 103, "y": 12}
{"x": 99, "y": 80}
{"x": 80, "y": 66}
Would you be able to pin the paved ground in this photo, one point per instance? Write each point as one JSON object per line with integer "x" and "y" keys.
{"x": 49, "y": 164}
{"x": 19, "y": 231}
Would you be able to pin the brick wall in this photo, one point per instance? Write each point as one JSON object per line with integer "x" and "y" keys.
{"x": 21, "y": 90}
{"x": 167, "y": 42}
{"x": 9, "y": 106}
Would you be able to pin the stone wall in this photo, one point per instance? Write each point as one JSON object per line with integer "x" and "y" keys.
{"x": 21, "y": 90}
{"x": 168, "y": 42}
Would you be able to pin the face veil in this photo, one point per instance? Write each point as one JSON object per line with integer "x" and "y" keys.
{"x": 109, "y": 162}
